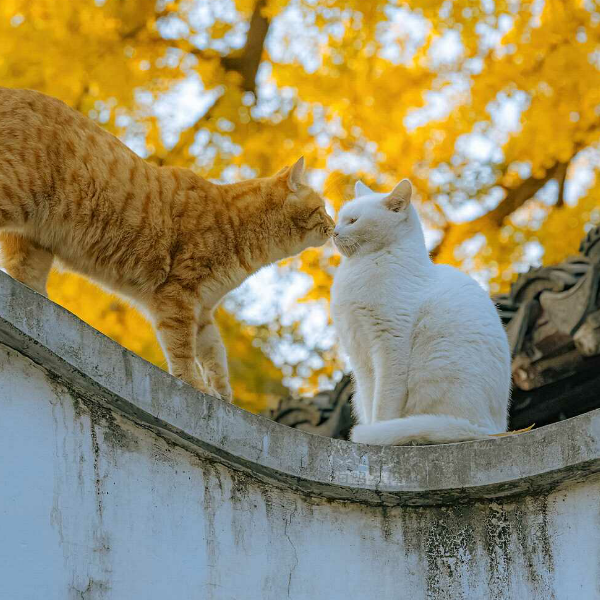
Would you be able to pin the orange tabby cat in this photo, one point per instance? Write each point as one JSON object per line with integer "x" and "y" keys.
{"x": 164, "y": 237}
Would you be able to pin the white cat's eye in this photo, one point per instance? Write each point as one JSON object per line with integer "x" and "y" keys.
{"x": 350, "y": 221}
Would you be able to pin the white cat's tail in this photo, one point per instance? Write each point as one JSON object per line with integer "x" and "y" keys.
{"x": 420, "y": 429}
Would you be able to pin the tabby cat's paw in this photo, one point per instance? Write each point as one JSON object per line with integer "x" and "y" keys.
{"x": 199, "y": 384}
{"x": 212, "y": 392}
{"x": 222, "y": 390}
{"x": 227, "y": 395}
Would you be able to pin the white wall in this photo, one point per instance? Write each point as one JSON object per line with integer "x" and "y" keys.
{"x": 95, "y": 507}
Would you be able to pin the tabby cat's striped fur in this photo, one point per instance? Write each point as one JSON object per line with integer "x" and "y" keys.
{"x": 169, "y": 240}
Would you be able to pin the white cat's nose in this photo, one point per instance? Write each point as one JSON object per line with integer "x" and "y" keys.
{"x": 335, "y": 232}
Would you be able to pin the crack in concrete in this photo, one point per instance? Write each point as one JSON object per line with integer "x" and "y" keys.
{"x": 288, "y": 521}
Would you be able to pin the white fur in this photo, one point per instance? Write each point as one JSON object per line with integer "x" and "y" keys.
{"x": 429, "y": 354}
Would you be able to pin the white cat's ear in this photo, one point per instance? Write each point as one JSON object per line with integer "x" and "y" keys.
{"x": 296, "y": 175}
{"x": 399, "y": 198}
{"x": 360, "y": 189}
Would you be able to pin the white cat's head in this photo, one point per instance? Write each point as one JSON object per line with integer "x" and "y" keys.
{"x": 373, "y": 221}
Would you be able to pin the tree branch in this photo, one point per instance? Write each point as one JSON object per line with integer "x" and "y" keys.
{"x": 244, "y": 62}
{"x": 454, "y": 234}
{"x": 562, "y": 179}
{"x": 78, "y": 105}
{"x": 515, "y": 198}
{"x": 247, "y": 63}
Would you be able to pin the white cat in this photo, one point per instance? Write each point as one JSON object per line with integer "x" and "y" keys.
{"x": 430, "y": 357}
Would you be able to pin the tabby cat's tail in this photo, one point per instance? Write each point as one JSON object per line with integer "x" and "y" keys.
{"x": 420, "y": 429}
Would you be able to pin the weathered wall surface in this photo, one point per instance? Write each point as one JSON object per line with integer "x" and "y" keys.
{"x": 119, "y": 482}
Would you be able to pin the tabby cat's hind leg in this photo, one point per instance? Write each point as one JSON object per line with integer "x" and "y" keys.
{"x": 26, "y": 261}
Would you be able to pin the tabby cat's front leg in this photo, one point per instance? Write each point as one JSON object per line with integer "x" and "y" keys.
{"x": 211, "y": 354}
{"x": 175, "y": 322}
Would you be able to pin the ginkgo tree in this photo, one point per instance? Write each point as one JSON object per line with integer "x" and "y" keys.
{"x": 491, "y": 108}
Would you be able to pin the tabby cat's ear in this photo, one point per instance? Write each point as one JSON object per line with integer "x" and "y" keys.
{"x": 360, "y": 189}
{"x": 399, "y": 198}
{"x": 296, "y": 175}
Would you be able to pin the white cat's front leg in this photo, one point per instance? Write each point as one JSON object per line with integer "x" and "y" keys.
{"x": 362, "y": 399}
{"x": 353, "y": 339}
{"x": 391, "y": 381}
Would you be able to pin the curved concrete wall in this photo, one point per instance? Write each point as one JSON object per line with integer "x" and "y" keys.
{"x": 120, "y": 482}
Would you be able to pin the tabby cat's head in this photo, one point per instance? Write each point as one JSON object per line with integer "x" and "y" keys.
{"x": 302, "y": 210}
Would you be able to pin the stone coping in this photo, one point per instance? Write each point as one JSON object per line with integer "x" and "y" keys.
{"x": 103, "y": 372}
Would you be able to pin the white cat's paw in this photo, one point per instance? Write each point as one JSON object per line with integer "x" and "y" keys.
{"x": 358, "y": 434}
